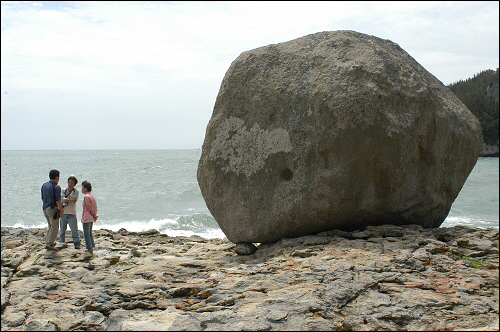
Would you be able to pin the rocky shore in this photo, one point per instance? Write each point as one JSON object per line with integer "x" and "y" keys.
{"x": 392, "y": 278}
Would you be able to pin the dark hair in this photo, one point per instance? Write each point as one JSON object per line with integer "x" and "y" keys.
{"x": 73, "y": 178}
{"x": 87, "y": 185}
{"x": 53, "y": 174}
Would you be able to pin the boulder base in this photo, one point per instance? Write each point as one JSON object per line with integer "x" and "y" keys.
{"x": 334, "y": 130}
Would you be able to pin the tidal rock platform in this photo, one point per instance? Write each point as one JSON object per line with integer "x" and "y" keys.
{"x": 387, "y": 277}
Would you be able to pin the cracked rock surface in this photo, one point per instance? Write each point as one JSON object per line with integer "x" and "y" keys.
{"x": 385, "y": 277}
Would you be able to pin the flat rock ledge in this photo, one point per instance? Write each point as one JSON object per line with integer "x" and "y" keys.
{"x": 394, "y": 278}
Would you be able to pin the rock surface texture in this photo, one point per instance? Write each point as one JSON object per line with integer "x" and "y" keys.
{"x": 334, "y": 130}
{"x": 385, "y": 278}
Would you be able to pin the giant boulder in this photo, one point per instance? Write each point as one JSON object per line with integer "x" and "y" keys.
{"x": 334, "y": 130}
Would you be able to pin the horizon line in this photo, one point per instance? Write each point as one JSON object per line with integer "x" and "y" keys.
{"x": 101, "y": 149}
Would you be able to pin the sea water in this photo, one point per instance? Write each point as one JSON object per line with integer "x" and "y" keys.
{"x": 477, "y": 203}
{"x": 157, "y": 189}
{"x": 135, "y": 189}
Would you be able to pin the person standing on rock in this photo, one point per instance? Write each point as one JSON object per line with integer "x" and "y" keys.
{"x": 89, "y": 215}
{"x": 52, "y": 208}
{"x": 69, "y": 198}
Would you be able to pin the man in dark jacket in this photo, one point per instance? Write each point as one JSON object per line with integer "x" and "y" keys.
{"x": 52, "y": 208}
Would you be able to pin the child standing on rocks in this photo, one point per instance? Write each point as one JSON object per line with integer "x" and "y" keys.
{"x": 89, "y": 215}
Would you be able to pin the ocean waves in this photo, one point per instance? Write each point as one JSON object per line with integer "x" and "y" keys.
{"x": 194, "y": 224}
{"x": 141, "y": 190}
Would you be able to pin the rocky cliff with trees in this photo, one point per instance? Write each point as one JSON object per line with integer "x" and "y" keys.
{"x": 480, "y": 95}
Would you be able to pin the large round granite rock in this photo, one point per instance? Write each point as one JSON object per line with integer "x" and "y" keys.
{"x": 334, "y": 130}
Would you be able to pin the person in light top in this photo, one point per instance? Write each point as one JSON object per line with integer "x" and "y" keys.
{"x": 89, "y": 215}
{"x": 69, "y": 197}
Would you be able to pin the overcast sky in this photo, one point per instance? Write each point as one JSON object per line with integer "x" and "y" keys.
{"x": 145, "y": 75}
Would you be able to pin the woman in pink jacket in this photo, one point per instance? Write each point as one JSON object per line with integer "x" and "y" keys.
{"x": 89, "y": 215}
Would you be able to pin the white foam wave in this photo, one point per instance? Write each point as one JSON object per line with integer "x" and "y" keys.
{"x": 451, "y": 221}
{"x": 136, "y": 225}
{"x": 164, "y": 226}
{"x": 209, "y": 234}
{"x": 22, "y": 225}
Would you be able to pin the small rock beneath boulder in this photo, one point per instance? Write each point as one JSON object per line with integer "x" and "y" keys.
{"x": 244, "y": 248}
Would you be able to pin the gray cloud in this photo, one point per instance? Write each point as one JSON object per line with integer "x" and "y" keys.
{"x": 146, "y": 74}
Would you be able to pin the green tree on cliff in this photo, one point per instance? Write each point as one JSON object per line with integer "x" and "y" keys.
{"x": 480, "y": 95}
